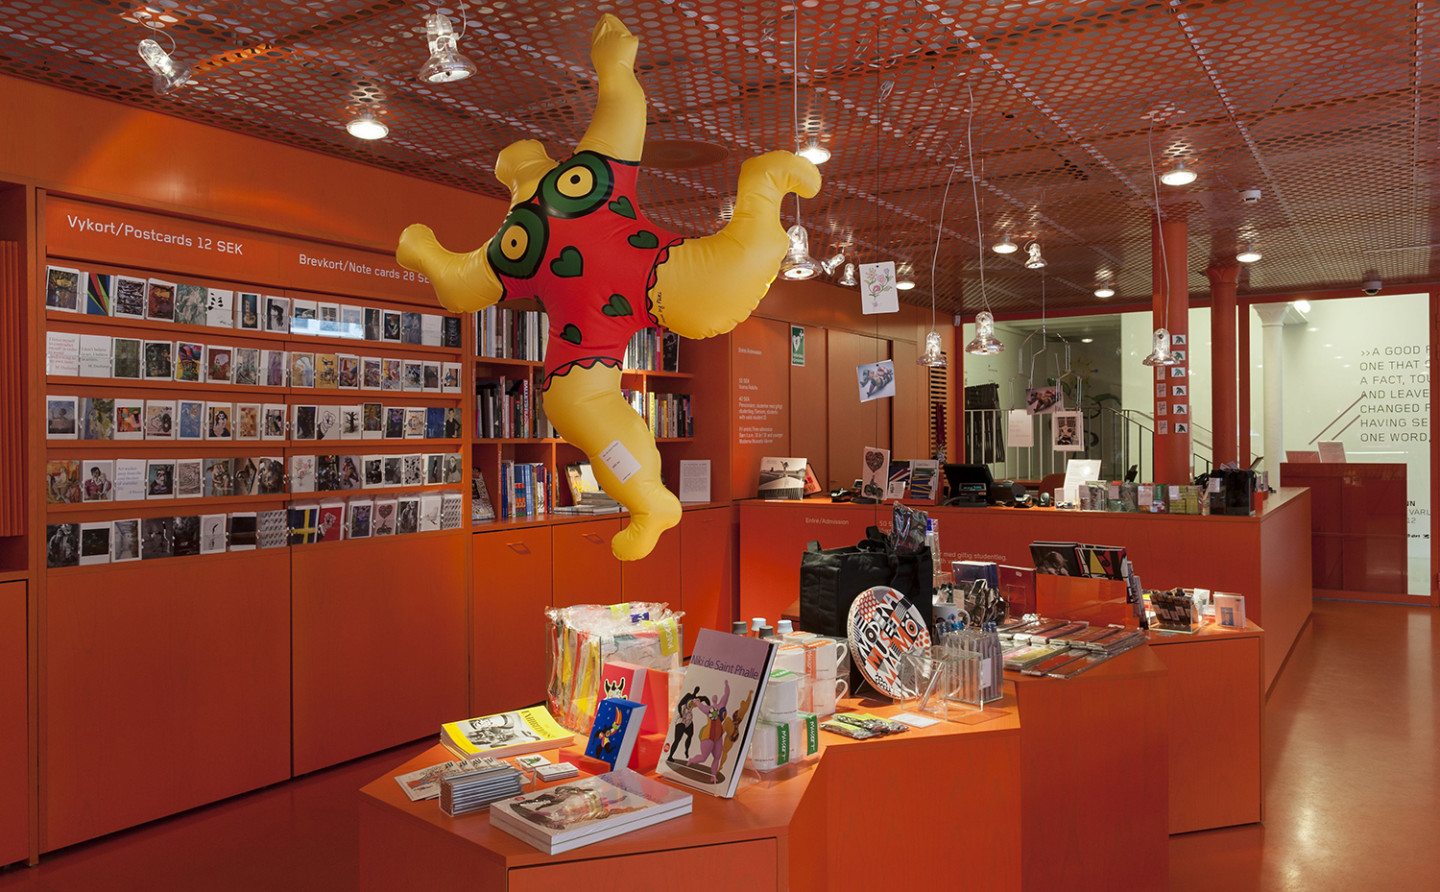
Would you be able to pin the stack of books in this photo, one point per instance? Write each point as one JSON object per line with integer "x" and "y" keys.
{"x": 586, "y": 811}
{"x": 474, "y": 790}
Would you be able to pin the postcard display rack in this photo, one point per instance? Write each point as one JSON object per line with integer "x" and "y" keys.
{"x": 225, "y": 413}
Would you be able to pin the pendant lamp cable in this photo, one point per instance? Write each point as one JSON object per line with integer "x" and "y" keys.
{"x": 795, "y": 86}
{"x": 1159, "y": 220}
{"x": 975, "y": 192}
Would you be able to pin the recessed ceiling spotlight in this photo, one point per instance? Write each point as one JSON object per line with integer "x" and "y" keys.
{"x": 366, "y": 126}
{"x": 1087, "y": 340}
{"x": 1249, "y": 255}
{"x": 1304, "y": 306}
{"x": 904, "y": 285}
{"x": 1104, "y": 291}
{"x": 1005, "y": 246}
{"x": 169, "y": 76}
{"x": 1179, "y": 175}
{"x": 445, "y": 63}
{"x": 814, "y": 152}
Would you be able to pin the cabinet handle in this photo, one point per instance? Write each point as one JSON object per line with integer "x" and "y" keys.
{"x": 594, "y": 538}
{"x": 518, "y": 547}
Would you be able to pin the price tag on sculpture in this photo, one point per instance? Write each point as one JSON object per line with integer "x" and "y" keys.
{"x": 619, "y": 460}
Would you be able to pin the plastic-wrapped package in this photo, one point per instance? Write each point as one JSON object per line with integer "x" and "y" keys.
{"x": 582, "y": 638}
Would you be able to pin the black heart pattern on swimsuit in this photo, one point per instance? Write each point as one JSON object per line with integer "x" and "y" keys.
{"x": 617, "y": 306}
{"x": 571, "y": 333}
{"x": 644, "y": 239}
{"x": 623, "y": 207}
{"x": 569, "y": 264}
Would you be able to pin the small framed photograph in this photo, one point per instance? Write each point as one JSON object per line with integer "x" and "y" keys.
{"x": 190, "y": 419}
{"x": 160, "y": 479}
{"x": 272, "y": 421}
{"x": 159, "y": 360}
{"x": 247, "y": 311}
{"x": 246, "y": 421}
{"x": 189, "y": 478}
{"x": 159, "y": 419}
{"x": 1230, "y": 611}
{"x": 277, "y": 314}
{"x": 129, "y": 297}
{"x": 219, "y": 363}
{"x": 62, "y": 417}
{"x": 1068, "y": 433}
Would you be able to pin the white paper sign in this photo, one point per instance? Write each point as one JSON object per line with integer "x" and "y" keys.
{"x": 619, "y": 460}
{"x": 877, "y": 288}
{"x": 695, "y": 481}
{"x": 1077, "y": 471}
{"x": 876, "y": 380}
{"x": 1020, "y": 431}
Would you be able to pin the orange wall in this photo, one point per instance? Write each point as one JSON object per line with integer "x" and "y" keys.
{"x": 77, "y": 144}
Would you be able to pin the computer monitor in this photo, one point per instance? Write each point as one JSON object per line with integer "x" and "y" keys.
{"x": 969, "y": 484}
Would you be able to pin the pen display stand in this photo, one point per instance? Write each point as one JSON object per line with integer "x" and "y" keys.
{"x": 986, "y": 645}
{"x": 940, "y": 682}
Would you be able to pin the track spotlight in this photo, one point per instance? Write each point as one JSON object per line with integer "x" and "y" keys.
{"x": 169, "y": 76}
{"x": 1004, "y": 246}
{"x": 366, "y": 126}
{"x": 445, "y": 64}
{"x": 1179, "y": 175}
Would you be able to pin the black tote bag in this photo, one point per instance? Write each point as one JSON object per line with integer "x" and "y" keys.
{"x": 831, "y": 580}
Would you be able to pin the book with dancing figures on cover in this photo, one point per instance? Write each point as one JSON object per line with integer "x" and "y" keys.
{"x": 580, "y": 812}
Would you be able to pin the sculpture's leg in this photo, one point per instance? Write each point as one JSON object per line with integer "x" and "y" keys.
{"x": 617, "y": 129}
{"x": 709, "y": 285}
{"x": 464, "y": 283}
{"x": 587, "y": 410}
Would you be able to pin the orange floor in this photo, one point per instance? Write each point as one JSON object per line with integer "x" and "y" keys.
{"x": 1351, "y": 796}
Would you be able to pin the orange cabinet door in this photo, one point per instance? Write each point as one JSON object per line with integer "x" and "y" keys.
{"x": 585, "y": 571}
{"x": 707, "y": 556}
{"x": 510, "y": 591}
{"x": 166, "y": 685}
{"x": 14, "y": 722}
{"x": 657, "y": 576}
{"x": 379, "y": 643}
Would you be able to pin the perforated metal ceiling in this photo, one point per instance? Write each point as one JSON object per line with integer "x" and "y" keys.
{"x": 1329, "y": 108}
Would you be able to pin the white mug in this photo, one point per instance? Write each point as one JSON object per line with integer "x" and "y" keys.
{"x": 826, "y": 693}
{"x": 791, "y": 658}
{"x": 823, "y": 656}
{"x": 782, "y": 695}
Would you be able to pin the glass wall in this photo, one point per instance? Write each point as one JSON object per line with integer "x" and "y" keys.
{"x": 1357, "y": 371}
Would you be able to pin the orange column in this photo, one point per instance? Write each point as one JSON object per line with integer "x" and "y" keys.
{"x": 957, "y": 419}
{"x": 1224, "y": 370}
{"x": 1170, "y": 274}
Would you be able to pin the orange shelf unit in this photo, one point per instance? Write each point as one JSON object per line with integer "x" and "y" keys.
{"x": 379, "y": 643}
{"x": 707, "y": 559}
{"x": 510, "y": 590}
{"x": 1106, "y": 732}
{"x": 585, "y": 570}
{"x": 166, "y": 686}
{"x": 1359, "y": 539}
{"x": 1217, "y": 701}
{"x": 795, "y": 829}
{"x": 14, "y": 726}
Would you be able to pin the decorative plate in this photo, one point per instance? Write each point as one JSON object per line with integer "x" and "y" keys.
{"x": 882, "y": 625}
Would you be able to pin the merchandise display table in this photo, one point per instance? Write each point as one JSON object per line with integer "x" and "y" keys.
{"x": 1093, "y": 776}
{"x": 1266, "y": 558}
{"x": 795, "y": 828}
{"x": 1217, "y": 699}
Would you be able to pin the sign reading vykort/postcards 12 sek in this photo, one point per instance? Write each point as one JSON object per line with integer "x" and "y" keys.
{"x": 82, "y": 231}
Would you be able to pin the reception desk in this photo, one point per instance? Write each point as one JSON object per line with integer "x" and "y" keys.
{"x": 1266, "y": 558}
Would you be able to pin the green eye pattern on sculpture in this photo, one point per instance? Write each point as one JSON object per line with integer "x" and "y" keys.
{"x": 516, "y": 251}
{"x": 577, "y": 187}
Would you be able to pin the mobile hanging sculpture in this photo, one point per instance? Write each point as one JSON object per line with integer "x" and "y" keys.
{"x": 577, "y": 240}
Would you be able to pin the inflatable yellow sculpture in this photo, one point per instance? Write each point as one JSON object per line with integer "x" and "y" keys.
{"x": 577, "y": 240}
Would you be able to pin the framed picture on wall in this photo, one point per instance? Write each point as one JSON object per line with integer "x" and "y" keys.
{"x": 1068, "y": 431}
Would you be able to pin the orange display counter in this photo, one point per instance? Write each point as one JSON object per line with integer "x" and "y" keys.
{"x": 796, "y": 829}
{"x": 14, "y": 727}
{"x": 1266, "y": 558}
{"x": 1094, "y": 777}
{"x": 1216, "y": 706}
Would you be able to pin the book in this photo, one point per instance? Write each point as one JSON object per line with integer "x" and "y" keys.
{"x": 725, "y": 682}
{"x": 589, "y": 810}
{"x": 628, "y": 681}
{"x": 616, "y": 728}
{"x": 480, "y": 507}
{"x": 526, "y": 730}
{"x": 425, "y": 783}
{"x": 1230, "y": 611}
{"x": 925, "y": 480}
{"x": 1056, "y": 558}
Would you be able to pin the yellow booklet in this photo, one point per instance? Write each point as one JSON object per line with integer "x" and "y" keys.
{"x": 505, "y": 734}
